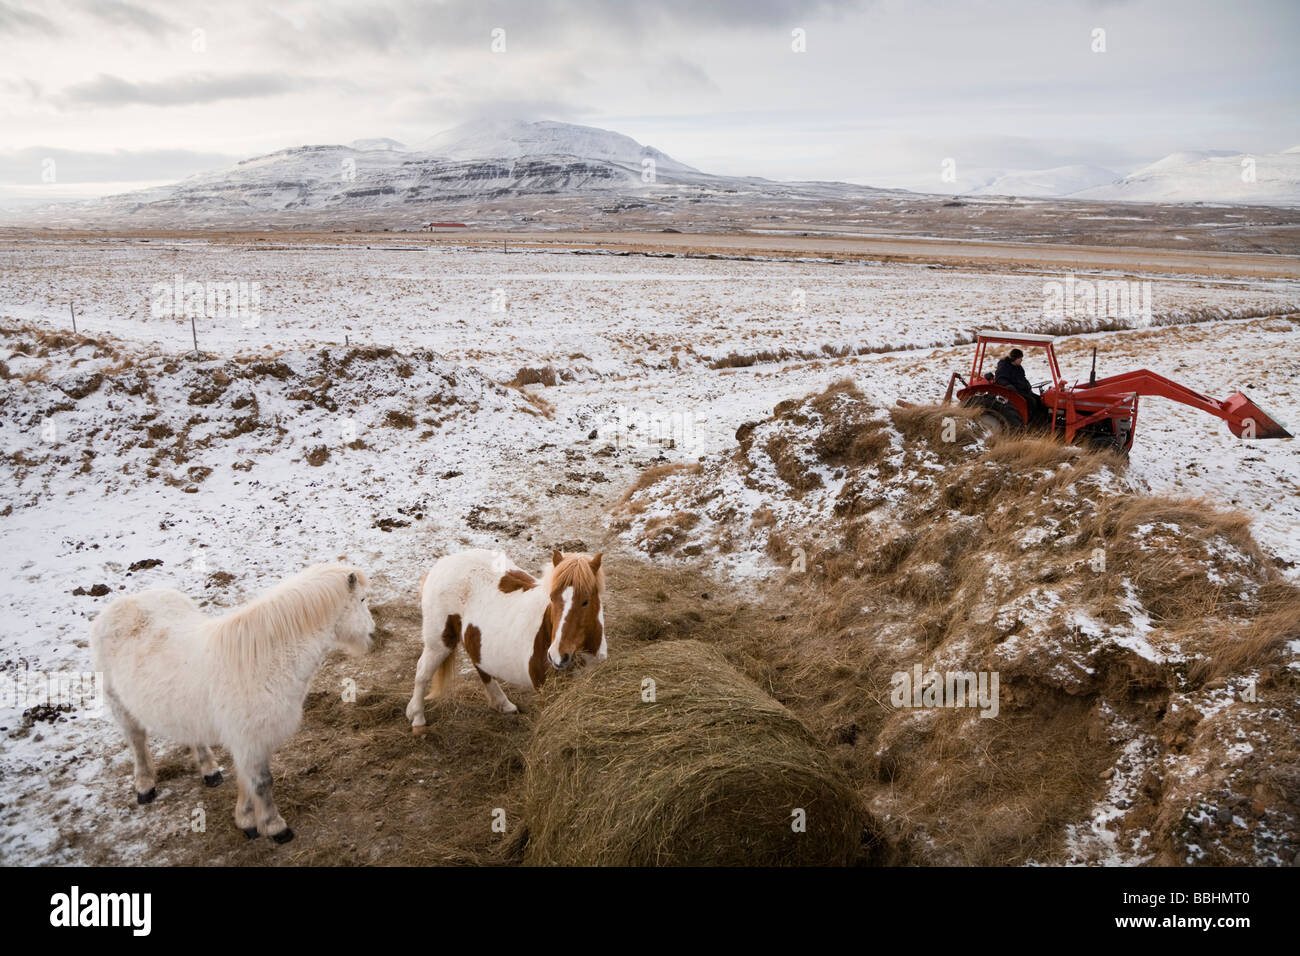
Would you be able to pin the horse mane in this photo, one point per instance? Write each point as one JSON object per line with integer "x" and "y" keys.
{"x": 575, "y": 571}
{"x": 297, "y": 607}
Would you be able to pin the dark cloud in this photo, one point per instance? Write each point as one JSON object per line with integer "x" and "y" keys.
{"x": 76, "y": 166}
{"x": 120, "y": 13}
{"x": 552, "y": 15}
{"x": 377, "y": 28}
{"x": 678, "y": 74}
{"x": 454, "y": 107}
{"x": 389, "y": 27}
{"x": 188, "y": 90}
{"x": 17, "y": 20}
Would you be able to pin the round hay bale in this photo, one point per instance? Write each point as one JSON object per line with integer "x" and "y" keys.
{"x": 699, "y": 768}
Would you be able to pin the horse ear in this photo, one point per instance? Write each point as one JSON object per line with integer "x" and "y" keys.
{"x": 352, "y": 581}
{"x": 556, "y": 557}
{"x": 595, "y": 562}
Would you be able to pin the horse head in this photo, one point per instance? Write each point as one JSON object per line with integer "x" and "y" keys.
{"x": 577, "y": 617}
{"x": 355, "y": 625}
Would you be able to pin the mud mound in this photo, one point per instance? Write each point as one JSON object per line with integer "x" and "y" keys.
{"x": 1147, "y": 686}
{"x": 667, "y": 755}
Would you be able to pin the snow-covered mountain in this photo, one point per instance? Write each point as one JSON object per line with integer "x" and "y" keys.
{"x": 1058, "y": 181}
{"x": 480, "y": 160}
{"x": 378, "y": 142}
{"x": 497, "y": 171}
{"x": 482, "y": 171}
{"x": 513, "y": 139}
{"x": 998, "y": 181}
{"x": 1204, "y": 176}
{"x": 1212, "y": 175}
{"x": 1185, "y": 157}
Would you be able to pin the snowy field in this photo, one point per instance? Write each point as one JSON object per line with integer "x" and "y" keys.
{"x": 586, "y": 314}
{"x": 392, "y": 460}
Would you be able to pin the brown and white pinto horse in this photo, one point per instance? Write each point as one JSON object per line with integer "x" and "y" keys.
{"x": 514, "y": 628}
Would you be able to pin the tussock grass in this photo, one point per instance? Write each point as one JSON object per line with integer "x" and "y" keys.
{"x": 546, "y": 375}
{"x": 652, "y": 475}
{"x": 1046, "y": 563}
{"x": 1237, "y": 652}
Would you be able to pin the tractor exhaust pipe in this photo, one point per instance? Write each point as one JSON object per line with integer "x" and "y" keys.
{"x": 1247, "y": 420}
{"x": 1092, "y": 379}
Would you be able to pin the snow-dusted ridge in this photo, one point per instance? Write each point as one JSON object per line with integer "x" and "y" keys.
{"x": 515, "y": 139}
{"x": 488, "y": 170}
{"x": 1058, "y": 181}
{"x": 1212, "y": 175}
{"x": 481, "y": 161}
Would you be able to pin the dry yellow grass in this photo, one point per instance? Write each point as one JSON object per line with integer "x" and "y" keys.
{"x": 990, "y": 564}
{"x": 652, "y": 475}
{"x": 667, "y": 755}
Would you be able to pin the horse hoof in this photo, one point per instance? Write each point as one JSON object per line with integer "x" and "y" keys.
{"x": 250, "y": 832}
{"x": 284, "y": 836}
{"x": 420, "y": 729}
{"x": 146, "y": 797}
{"x": 213, "y": 779}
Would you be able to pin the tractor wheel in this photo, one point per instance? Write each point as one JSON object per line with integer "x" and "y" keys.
{"x": 996, "y": 417}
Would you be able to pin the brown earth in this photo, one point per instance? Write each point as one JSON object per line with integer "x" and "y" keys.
{"x": 1205, "y": 256}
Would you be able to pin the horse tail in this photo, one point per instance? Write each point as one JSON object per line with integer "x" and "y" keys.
{"x": 442, "y": 675}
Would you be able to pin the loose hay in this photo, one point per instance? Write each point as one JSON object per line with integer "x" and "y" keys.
{"x": 1125, "y": 628}
{"x": 709, "y": 772}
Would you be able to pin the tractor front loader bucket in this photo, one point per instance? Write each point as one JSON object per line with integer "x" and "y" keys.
{"x": 1248, "y": 420}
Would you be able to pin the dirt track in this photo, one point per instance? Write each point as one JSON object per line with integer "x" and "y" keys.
{"x": 991, "y": 255}
{"x": 899, "y": 249}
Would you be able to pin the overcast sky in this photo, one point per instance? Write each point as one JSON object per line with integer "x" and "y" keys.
{"x": 135, "y": 90}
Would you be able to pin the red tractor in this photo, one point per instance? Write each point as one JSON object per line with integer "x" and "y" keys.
{"x": 1099, "y": 412}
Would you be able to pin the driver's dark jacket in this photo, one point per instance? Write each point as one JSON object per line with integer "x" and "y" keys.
{"x": 1013, "y": 376}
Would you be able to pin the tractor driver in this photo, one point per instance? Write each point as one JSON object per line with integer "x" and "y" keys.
{"x": 1010, "y": 374}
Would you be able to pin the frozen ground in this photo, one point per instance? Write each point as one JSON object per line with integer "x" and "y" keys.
{"x": 635, "y": 342}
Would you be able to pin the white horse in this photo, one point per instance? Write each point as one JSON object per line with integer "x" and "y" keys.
{"x": 237, "y": 680}
{"x": 514, "y": 628}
